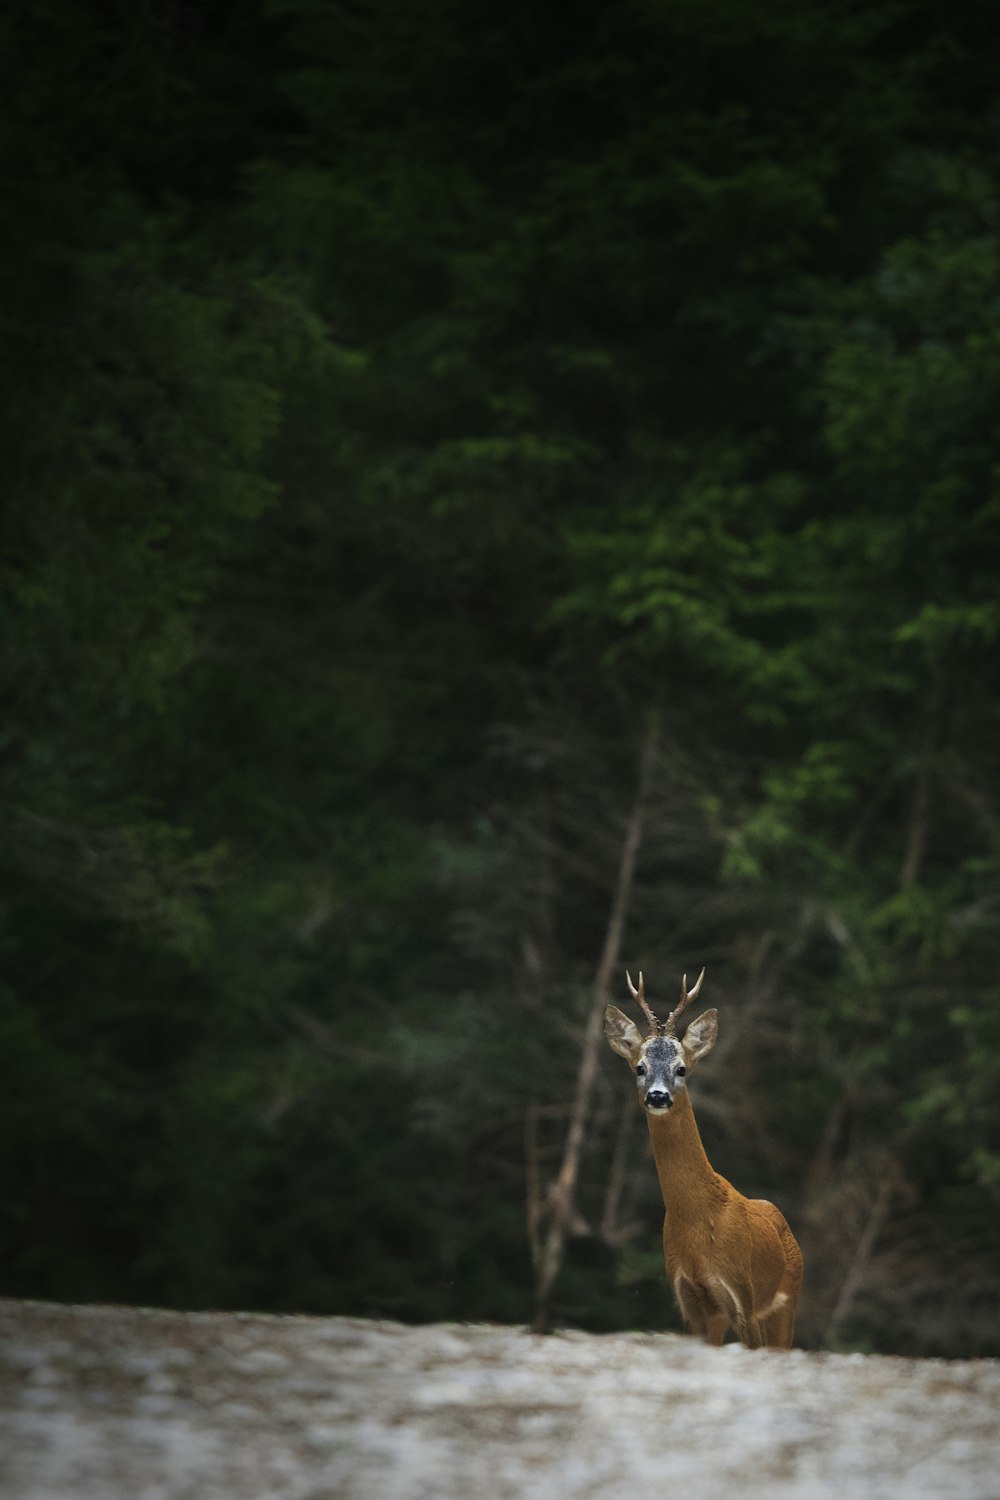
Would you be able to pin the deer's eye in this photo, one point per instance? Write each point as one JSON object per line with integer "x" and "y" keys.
{"x": 681, "y": 1071}
{"x": 640, "y": 1071}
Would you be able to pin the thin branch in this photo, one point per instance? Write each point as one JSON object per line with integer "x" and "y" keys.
{"x": 610, "y": 1228}
{"x": 854, "y": 1276}
{"x": 561, "y": 1204}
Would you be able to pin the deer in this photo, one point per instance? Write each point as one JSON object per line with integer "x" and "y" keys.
{"x": 733, "y": 1262}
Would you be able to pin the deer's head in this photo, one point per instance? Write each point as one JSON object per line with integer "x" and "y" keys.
{"x": 660, "y": 1060}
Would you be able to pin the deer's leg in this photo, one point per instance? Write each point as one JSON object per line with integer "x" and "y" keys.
{"x": 736, "y": 1302}
{"x": 716, "y": 1328}
{"x": 751, "y": 1333}
{"x": 702, "y": 1315}
{"x": 696, "y": 1309}
{"x": 779, "y": 1327}
{"x": 691, "y": 1304}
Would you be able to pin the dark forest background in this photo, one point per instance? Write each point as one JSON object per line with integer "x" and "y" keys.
{"x": 443, "y": 443}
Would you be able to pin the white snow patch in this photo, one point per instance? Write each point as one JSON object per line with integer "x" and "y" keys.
{"x": 132, "y": 1404}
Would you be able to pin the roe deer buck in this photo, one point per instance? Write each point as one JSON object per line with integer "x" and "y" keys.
{"x": 732, "y": 1261}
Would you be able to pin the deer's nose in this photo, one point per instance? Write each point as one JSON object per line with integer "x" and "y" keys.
{"x": 658, "y": 1099}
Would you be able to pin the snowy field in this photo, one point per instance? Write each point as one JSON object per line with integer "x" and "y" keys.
{"x": 106, "y": 1403}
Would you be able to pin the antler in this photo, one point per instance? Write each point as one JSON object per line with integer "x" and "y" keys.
{"x": 686, "y": 997}
{"x": 640, "y": 995}
{"x": 664, "y": 1028}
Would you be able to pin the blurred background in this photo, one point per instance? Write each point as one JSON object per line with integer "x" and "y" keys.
{"x": 493, "y": 498}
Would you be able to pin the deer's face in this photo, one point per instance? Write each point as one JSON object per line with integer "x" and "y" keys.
{"x": 660, "y": 1062}
{"x": 660, "y": 1071}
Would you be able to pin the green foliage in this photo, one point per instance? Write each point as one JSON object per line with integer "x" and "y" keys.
{"x": 403, "y": 407}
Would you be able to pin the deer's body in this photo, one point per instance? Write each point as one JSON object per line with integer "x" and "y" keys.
{"x": 732, "y": 1261}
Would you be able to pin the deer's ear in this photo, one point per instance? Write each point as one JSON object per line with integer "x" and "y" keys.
{"x": 699, "y": 1039}
{"x": 622, "y": 1034}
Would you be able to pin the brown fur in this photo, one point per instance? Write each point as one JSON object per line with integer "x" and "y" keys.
{"x": 732, "y": 1261}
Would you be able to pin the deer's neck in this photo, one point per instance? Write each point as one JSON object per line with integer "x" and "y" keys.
{"x": 690, "y": 1186}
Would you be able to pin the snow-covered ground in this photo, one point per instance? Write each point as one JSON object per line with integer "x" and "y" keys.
{"x": 109, "y": 1403}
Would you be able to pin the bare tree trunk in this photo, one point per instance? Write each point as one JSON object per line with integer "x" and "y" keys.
{"x": 561, "y": 1205}
{"x": 610, "y": 1230}
{"x": 854, "y": 1277}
